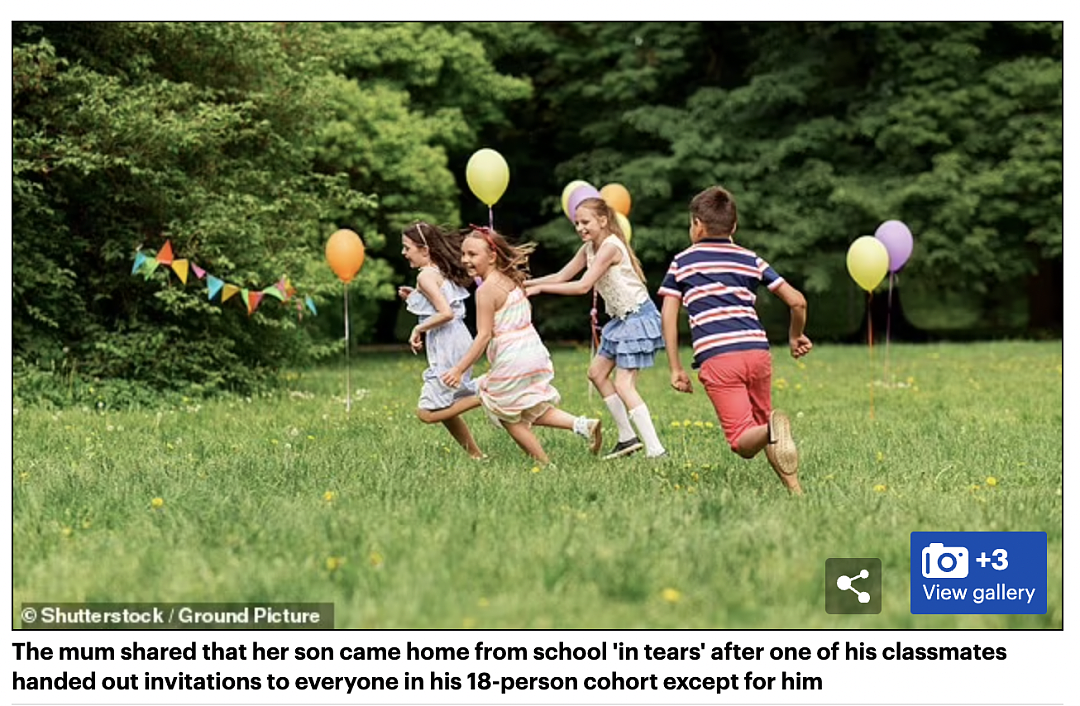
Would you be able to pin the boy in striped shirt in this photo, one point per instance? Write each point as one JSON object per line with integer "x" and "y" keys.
{"x": 715, "y": 280}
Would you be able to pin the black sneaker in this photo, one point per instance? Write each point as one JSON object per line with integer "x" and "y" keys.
{"x": 624, "y": 448}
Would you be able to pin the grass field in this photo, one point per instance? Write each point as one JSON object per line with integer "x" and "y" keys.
{"x": 284, "y": 497}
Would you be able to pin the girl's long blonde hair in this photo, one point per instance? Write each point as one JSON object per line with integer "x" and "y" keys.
{"x": 600, "y": 207}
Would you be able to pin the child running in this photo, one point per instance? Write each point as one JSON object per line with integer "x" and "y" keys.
{"x": 629, "y": 341}
{"x": 438, "y": 301}
{"x": 516, "y": 392}
{"x": 715, "y": 280}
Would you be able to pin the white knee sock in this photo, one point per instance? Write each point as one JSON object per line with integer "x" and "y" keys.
{"x": 643, "y": 421}
{"x": 622, "y": 422}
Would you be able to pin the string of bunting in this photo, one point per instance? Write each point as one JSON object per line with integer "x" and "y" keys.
{"x": 217, "y": 288}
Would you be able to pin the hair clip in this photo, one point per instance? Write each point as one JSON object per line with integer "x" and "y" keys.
{"x": 487, "y": 233}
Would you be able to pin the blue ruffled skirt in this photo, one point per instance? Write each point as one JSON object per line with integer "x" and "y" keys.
{"x": 633, "y": 342}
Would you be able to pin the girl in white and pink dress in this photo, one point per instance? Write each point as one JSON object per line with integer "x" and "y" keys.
{"x": 516, "y": 392}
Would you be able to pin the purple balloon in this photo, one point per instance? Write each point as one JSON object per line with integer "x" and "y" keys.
{"x": 578, "y": 195}
{"x": 896, "y": 238}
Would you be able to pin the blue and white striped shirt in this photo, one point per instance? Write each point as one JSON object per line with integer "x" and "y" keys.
{"x": 716, "y": 281}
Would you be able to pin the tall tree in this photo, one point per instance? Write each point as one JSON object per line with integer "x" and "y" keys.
{"x": 128, "y": 134}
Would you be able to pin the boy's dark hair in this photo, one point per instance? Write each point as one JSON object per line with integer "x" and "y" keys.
{"x": 715, "y": 208}
{"x": 444, "y": 249}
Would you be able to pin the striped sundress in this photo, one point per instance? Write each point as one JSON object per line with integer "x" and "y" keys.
{"x": 517, "y": 387}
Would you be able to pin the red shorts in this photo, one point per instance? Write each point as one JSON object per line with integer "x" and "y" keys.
{"x": 739, "y": 386}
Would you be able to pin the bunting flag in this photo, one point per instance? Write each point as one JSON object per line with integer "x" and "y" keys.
{"x": 147, "y": 264}
{"x": 181, "y": 269}
{"x": 253, "y": 301}
{"x": 165, "y": 256}
{"x": 213, "y": 286}
{"x": 275, "y": 292}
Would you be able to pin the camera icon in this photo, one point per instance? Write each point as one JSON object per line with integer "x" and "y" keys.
{"x": 941, "y": 562}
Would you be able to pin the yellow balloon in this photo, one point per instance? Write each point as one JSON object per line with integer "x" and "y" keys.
{"x": 569, "y": 189}
{"x": 868, "y": 262}
{"x": 624, "y": 225}
{"x": 488, "y": 175}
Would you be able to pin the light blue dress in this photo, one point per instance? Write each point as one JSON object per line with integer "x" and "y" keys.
{"x": 445, "y": 346}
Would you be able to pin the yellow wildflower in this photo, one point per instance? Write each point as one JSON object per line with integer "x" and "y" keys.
{"x": 671, "y": 595}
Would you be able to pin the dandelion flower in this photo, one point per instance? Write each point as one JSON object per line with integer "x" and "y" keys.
{"x": 675, "y": 423}
{"x": 536, "y": 469}
{"x": 880, "y": 488}
{"x": 310, "y": 437}
{"x": 157, "y": 503}
{"x": 686, "y": 422}
{"x": 708, "y": 425}
{"x": 329, "y": 496}
{"x": 991, "y": 481}
{"x": 880, "y": 456}
{"x": 333, "y": 563}
{"x": 699, "y": 424}
{"x": 671, "y": 595}
{"x": 376, "y": 559}
{"x": 66, "y": 531}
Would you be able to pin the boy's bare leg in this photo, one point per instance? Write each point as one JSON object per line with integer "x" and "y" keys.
{"x": 752, "y": 441}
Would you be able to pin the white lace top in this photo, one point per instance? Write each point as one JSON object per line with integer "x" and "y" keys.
{"x": 620, "y": 287}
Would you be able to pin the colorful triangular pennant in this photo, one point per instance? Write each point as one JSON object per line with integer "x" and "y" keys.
{"x": 228, "y": 291}
{"x": 213, "y": 286}
{"x": 273, "y": 291}
{"x": 253, "y": 299}
{"x": 165, "y": 256}
{"x": 311, "y": 305}
{"x": 140, "y": 260}
{"x": 181, "y": 269}
{"x": 149, "y": 266}
{"x": 199, "y": 272}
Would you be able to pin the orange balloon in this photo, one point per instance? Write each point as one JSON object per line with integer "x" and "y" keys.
{"x": 617, "y": 197}
{"x": 345, "y": 253}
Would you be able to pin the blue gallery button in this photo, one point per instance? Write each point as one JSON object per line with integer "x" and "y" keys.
{"x": 978, "y": 572}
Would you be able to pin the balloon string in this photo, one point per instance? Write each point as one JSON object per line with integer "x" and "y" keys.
{"x": 491, "y": 218}
{"x": 594, "y": 342}
{"x": 870, "y": 329}
{"x": 348, "y": 372}
{"x": 888, "y": 327}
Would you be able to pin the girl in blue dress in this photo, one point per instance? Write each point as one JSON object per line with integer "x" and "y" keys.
{"x": 438, "y": 300}
{"x": 629, "y": 341}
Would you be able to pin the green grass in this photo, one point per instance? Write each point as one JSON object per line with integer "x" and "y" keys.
{"x": 284, "y": 497}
